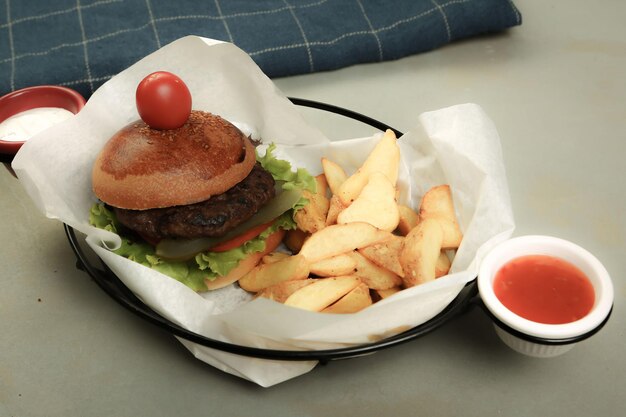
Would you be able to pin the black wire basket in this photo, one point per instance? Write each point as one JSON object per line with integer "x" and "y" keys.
{"x": 115, "y": 288}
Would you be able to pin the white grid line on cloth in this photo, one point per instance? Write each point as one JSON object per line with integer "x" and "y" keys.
{"x": 445, "y": 19}
{"x": 242, "y": 14}
{"x": 306, "y": 41}
{"x": 153, "y": 23}
{"x": 67, "y": 45}
{"x": 253, "y": 53}
{"x": 11, "y": 45}
{"x": 58, "y": 12}
{"x": 358, "y": 32}
{"x": 369, "y": 23}
{"x": 86, "y": 80}
{"x": 259, "y": 52}
{"x": 219, "y": 10}
{"x": 84, "y": 42}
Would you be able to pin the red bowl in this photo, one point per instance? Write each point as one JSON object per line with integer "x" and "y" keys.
{"x": 34, "y": 97}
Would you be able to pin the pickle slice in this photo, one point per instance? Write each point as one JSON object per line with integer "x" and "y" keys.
{"x": 184, "y": 249}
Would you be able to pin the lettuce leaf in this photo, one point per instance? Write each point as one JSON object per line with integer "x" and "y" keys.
{"x": 209, "y": 265}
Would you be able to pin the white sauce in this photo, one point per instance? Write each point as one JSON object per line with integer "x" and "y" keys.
{"x": 22, "y": 126}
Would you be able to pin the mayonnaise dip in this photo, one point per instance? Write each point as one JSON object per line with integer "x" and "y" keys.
{"x": 22, "y": 126}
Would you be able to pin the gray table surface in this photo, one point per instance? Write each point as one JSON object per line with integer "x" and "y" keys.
{"x": 554, "y": 88}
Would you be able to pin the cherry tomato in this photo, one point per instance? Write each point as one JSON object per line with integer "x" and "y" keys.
{"x": 163, "y": 100}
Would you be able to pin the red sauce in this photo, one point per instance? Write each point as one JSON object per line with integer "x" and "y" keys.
{"x": 544, "y": 289}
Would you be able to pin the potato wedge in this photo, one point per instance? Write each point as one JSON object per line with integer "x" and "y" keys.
{"x": 386, "y": 254}
{"x": 437, "y": 204}
{"x": 386, "y": 293}
{"x": 375, "y": 204}
{"x": 354, "y": 301}
{"x": 335, "y": 175}
{"x": 321, "y": 185}
{"x": 335, "y": 207}
{"x": 385, "y": 158}
{"x": 273, "y": 257}
{"x": 341, "y": 238}
{"x": 312, "y": 217}
{"x": 294, "y": 239}
{"x": 408, "y": 219}
{"x": 443, "y": 265}
{"x": 332, "y": 267}
{"x": 421, "y": 250}
{"x": 322, "y": 293}
{"x": 281, "y": 291}
{"x": 265, "y": 275}
{"x": 372, "y": 275}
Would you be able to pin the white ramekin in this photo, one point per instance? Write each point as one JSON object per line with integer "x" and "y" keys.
{"x": 538, "y": 339}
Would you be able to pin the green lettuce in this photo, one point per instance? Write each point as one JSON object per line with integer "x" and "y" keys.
{"x": 209, "y": 265}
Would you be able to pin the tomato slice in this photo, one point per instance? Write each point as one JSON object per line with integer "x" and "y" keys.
{"x": 241, "y": 239}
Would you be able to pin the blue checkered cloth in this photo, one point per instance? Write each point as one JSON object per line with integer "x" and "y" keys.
{"x": 82, "y": 43}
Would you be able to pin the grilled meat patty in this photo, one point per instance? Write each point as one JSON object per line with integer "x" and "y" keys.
{"x": 210, "y": 218}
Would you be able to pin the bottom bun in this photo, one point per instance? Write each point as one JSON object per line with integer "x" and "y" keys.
{"x": 246, "y": 264}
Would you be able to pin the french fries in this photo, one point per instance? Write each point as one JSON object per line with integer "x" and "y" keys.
{"x": 331, "y": 267}
{"x": 408, "y": 219}
{"x": 443, "y": 265}
{"x": 265, "y": 275}
{"x": 384, "y": 158}
{"x": 376, "y": 204}
{"x": 437, "y": 204}
{"x": 281, "y": 291}
{"x": 375, "y": 277}
{"x": 421, "y": 250}
{"x": 354, "y": 244}
{"x": 354, "y": 301}
{"x": 341, "y": 238}
{"x": 334, "y": 174}
{"x": 294, "y": 239}
{"x": 322, "y": 293}
{"x": 312, "y": 217}
{"x": 386, "y": 254}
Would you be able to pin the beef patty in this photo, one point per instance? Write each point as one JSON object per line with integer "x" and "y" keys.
{"x": 210, "y": 218}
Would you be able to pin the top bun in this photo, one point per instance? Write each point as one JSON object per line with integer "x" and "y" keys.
{"x": 142, "y": 168}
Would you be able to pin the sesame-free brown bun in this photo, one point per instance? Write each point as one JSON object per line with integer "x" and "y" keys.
{"x": 142, "y": 168}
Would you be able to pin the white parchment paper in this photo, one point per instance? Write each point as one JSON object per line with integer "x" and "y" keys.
{"x": 457, "y": 145}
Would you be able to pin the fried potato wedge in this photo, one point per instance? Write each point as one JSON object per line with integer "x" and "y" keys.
{"x": 408, "y": 219}
{"x": 312, "y": 217}
{"x": 281, "y": 291}
{"x": 341, "y": 238}
{"x": 353, "y": 302}
{"x": 321, "y": 185}
{"x": 442, "y": 267}
{"x": 386, "y": 254}
{"x": 374, "y": 276}
{"x": 376, "y": 204}
{"x": 335, "y": 207}
{"x": 322, "y": 293}
{"x": 389, "y": 292}
{"x": 265, "y": 275}
{"x": 335, "y": 175}
{"x": 294, "y": 239}
{"x": 422, "y": 247}
{"x": 274, "y": 257}
{"x": 332, "y": 267}
{"x": 437, "y": 204}
{"x": 385, "y": 158}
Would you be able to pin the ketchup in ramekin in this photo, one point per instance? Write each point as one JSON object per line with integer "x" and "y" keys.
{"x": 544, "y": 289}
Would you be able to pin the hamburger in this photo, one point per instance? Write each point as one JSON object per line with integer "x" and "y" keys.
{"x": 195, "y": 202}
